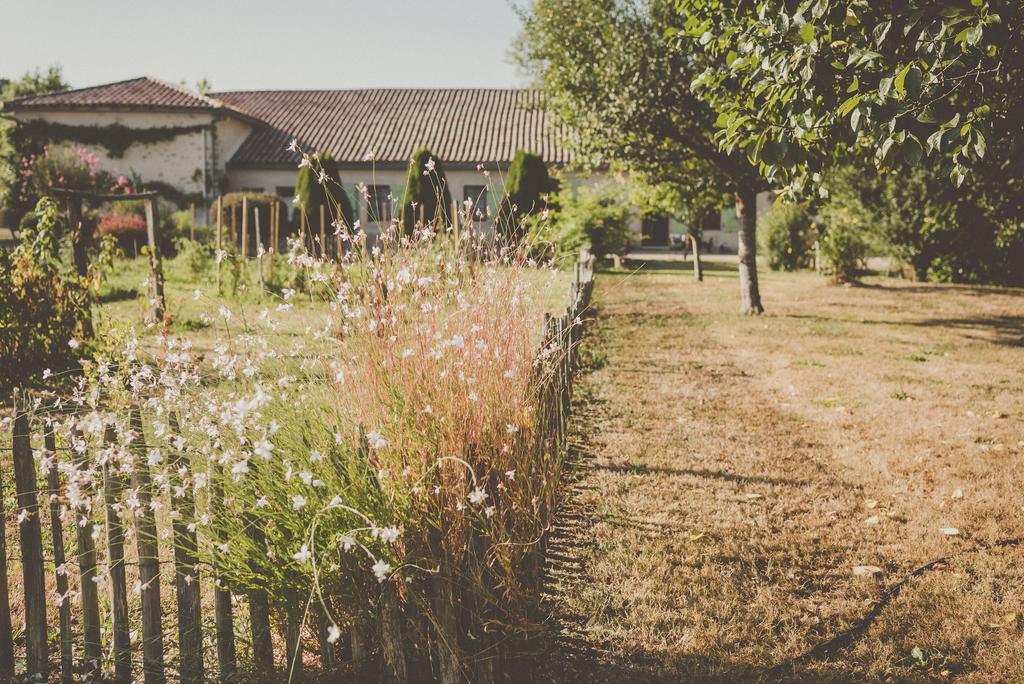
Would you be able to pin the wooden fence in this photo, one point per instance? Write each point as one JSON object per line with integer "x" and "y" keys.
{"x": 87, "y": 643}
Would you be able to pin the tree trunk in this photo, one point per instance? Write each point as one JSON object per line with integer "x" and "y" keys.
{"x": 746, "y": 211}
{"x": 698, "y": 270}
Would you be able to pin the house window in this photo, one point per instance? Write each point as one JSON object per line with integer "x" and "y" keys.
{"x": 378, "y": 203}
{"x": 476, "y": 195}
{"x": 286, "y": 192}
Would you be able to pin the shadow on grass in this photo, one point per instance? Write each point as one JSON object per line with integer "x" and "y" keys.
{"x": 702, "y": 473}
{"x": 1005, "y": 330}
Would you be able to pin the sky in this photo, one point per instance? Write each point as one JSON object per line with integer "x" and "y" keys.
{"x": 263, "y": 44}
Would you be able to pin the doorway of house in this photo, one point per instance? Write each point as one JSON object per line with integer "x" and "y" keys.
{"x": 654, "y": 231}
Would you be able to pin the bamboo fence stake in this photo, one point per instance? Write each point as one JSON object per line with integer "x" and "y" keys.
{"x": 59, "y": 560}
{"x": 323, "y": 233}
{"x": 192, "y": 221}
{"x": 259, "y": 250}
{"x": 31, "y": 544}
{"x": 220, "y": 238}
{"x": 245, "y": 227}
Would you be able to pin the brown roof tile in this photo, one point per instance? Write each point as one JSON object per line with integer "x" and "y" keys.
{"x": 461, "y": 126}
{"x": 136, "y": 93}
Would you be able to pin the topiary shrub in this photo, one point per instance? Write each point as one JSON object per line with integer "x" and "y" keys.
{"x": 527, "y": 191}
{"x": 426, "y": 191}
{"x": 787, "y": 234}
{"x": 313, "y": 194}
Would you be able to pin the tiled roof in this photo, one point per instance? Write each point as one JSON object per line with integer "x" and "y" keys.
{"x": 460, "y": 126}
{"x": 136, "y": 93}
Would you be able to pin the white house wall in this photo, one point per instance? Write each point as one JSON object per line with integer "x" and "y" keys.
{"x": 181, "y": 162}
{"x": 269, "y": 180}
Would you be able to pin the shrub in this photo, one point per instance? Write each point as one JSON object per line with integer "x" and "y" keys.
{"x": 331, "y": 194}
{"x": 128, "y": 229}
{"x": 787, "y": 233}
{"x": 598, "y": 217}
{"x": 843, "y": 249}
{"x": 426, "y": 192}
{"x": 527, "y": 191}
{"x": 44, "y": 309}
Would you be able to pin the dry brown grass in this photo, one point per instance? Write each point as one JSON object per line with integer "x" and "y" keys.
{"x": 734, "y": 471}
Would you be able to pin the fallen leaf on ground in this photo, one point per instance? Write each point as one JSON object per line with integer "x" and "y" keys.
{"x": 873, "y": 520}
{"x": 866, "y": 570}
{"x": 949, "y": 531}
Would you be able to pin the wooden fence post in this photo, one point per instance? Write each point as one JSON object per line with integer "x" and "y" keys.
{"x": 224, "y": 611}
{"x": 87, "y": 572}
{"x": 113, "y": 485}
{"x": 293, "y": 639}
{"x": 219, "y": 238}
{"x": 31, "y": 544}
{"x": 156, "y": 270}
{"x": 259, "y": 609}
{"x": 323, "y": 233}
{"x": 6, "y": 629}
{"x": 149, "y": 557}
{"x": 186, "y": 564}
{"x": 244, "y": 251}
{"x": 259, "y": 250}
{"x": 59, "y": 560}
{"x": 396, "y": 670}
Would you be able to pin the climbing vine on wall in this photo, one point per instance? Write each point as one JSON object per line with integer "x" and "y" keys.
{"x": 115, "y": 138}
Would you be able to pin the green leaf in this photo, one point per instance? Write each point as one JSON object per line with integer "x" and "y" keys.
{"x": 979, "y": 144}
{"x": 848, "y": 106}
{"x": 807, "y": 33}
{"x": 900, "y": 82}
{"x": 974, "y": 35}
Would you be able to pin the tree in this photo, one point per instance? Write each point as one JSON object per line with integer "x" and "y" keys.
{"x": 30, "y": 83}
{"x": 797, "y": 84}
{"x": 319, "y": 184}
{"x": 801, "y": 87}
{"x": 626, "y": 99}
{"x": 527, "y": 188}
{"x": 426, "y": 191}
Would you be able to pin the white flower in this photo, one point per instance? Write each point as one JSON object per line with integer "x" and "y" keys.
{"x": 315, "y": 456}
{"x": 510, "y": 474}
{"x": 73, "y": 343}
{"x": 388, "y": 535}
{"x": 477, "y": 496}
{"x": 511, "y": 429}
{"x": 429, "y": 166}
{"x": 293, "y": 145}
{"x": 375, "y": 440}
{"x": 333, "y": 634}
{"x": 381, "y": 570}
{"x": 303, "y": 555}
{"x": 347, "y": 543}
{"x": 489, "y": 511}
{"x": 298, "y": 501}
{"x": 296, "y": 199}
